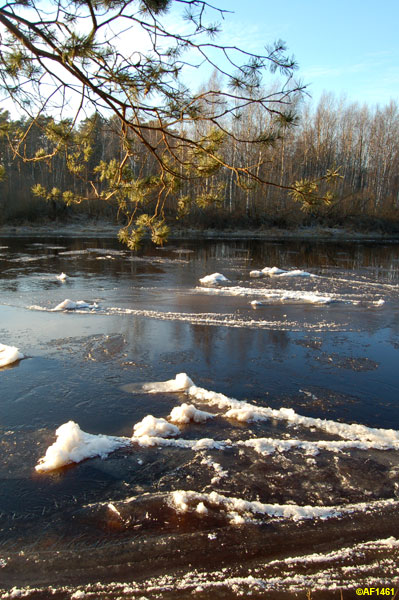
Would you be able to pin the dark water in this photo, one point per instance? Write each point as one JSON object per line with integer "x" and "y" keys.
{"x": 111, "y": 527}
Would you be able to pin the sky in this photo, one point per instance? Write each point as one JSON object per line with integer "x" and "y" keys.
{"x": 347, "y": 47}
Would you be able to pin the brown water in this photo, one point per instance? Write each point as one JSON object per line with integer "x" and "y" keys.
{"x": 112, "y": 527}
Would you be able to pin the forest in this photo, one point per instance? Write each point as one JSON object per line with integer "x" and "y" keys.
{"x": 359, "y": 142}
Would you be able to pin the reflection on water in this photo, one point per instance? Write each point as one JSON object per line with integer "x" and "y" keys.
{"x": 114, "y": 527}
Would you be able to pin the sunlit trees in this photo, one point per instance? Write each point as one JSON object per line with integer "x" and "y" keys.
{"x": 132, "y": 60}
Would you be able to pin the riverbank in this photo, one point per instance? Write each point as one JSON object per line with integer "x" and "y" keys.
{"x": 105, "y": 229}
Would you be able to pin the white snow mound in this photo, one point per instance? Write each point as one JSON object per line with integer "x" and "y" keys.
{"x": 9, "y": 355}
{"x": 283, "y": 273}
{"x": 74, "y": 445}
{"x": 155, "y": 427}
{"x": 213, "y": 279}
{"x": 296, "y": 273}
{"x": 71, "y": 305}
{"x": 180, "y": 383}
{"x": 188, "y": 412}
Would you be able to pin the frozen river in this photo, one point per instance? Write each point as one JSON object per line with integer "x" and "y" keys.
{"x": 271, "y": 468}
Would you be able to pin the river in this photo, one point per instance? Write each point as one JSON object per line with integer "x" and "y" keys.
{"x": 282, "y": 481}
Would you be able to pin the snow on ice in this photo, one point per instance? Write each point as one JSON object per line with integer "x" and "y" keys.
{"x": 62, "y": 277}
{"x": 271, "y": 294}
{"x": 213, "y": 279}
{"x": 154, "y": 427}
{"x": 71, "y": 305}
{"x": 240, "y": 511}
{"x": 74, "y": 445}
{"x": 9, "y": 355}
{"x": 184, "y": 500}
{"x": 179, "y": 384}
{"x": 188, "y": 412}
{"x": 276, "y": 272}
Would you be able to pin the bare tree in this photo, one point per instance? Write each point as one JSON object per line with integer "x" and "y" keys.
{"x": 123, "y": 58}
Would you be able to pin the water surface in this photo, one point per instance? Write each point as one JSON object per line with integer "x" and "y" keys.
{"x": 325, "y": 346}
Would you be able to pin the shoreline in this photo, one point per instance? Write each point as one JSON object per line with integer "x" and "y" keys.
{"x": 103, "y": 229}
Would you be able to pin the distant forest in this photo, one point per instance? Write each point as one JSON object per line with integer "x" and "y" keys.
{"x": 362, "y": 142}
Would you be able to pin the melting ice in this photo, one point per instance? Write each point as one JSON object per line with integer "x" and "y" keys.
{"x": 74, "y": 445}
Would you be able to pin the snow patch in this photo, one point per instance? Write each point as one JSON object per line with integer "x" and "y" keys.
{"x": 71, "y": 305}
{"x": 383, "y": 438}
{"x": 213, "y": 279}
{"x": 379, "y": 302}
{"x": 9, "y": 355}
{"x": 273, "y": 294}
{"x": 184, "y": 501}
{"x": 201, "y": 509}
{"x": 219, "y": 471}
{"x": 188, "y": 412}
{"x": 154, "y": 427}
{"x": 180, "y": 383}
{"x": 267, "y": 446}
{"x": 247, "y": 412}
{"x": 74, "y": 445}
{"x": 276, "y": 272}
{"x": 296, "y": 273}
{"x": 195, "y": 445}
{"x": 62, "y": 277}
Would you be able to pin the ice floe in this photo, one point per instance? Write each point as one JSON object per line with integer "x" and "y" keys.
{"x": 268, "y": 295}
{"x": 107, "y": 252}
{"x": 179, "y": 384}
{"x": 71, "y": 305}
{"x": 359, "y": 436}
{"x": 215, "y": 319}
{"x": 276, "y": 272}
{"x": 213, "y": 279}
{"x": 9, "y": 355}
{"x": 295, "y": 273}
{"x": 72, "y": 253}
{"x": 243, "y": 411}
{"x": 74, "y": 445}
{"x": 273, "y": 271}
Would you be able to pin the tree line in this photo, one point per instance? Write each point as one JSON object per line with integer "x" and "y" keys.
{"x": 358, "y": 144}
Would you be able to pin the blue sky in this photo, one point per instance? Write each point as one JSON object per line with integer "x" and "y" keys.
{"x": 348, "y": 47}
